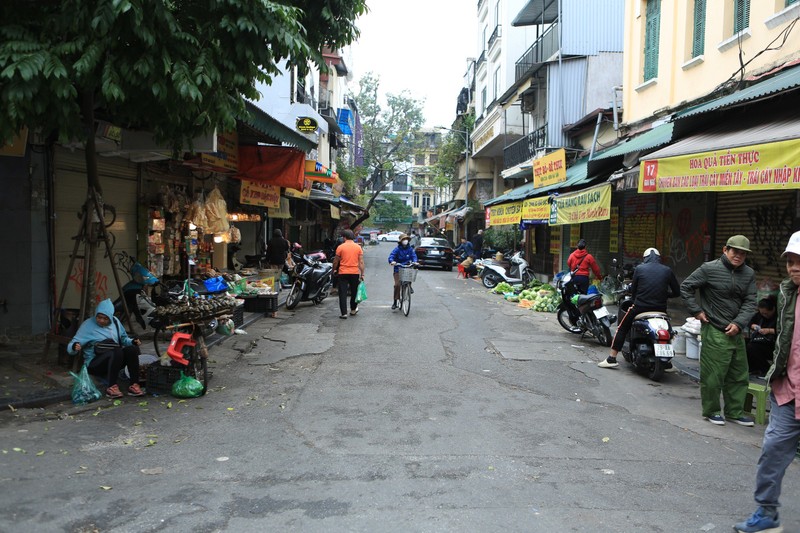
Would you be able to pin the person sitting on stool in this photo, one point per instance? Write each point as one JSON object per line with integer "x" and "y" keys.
{"x": 762, "y": 337}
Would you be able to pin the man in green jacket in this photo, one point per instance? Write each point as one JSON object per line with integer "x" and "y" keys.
{"x": 727, "y": 289}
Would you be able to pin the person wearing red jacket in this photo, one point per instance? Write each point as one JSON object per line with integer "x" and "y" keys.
{"x": 583, "y": 261}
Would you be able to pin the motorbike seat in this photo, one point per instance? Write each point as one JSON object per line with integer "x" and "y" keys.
{"x": 650, "y": 314}
{"x": 586, "y": 298}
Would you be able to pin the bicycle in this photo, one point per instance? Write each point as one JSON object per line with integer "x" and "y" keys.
{"x": 408, "y": 275}
{"x": 190, "y": 346}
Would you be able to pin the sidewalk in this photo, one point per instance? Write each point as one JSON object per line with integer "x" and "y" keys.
{"x": 28, "y": 380}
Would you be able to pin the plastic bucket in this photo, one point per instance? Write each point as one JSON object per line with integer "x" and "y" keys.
{"x": 692, "y": 347}
{"x": 679, "y": 342}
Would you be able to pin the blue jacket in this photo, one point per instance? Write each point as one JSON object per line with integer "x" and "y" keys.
{"x": 91, "y": 332}
{"x": 402, "y": 254}
{"x": 466, "y": 249}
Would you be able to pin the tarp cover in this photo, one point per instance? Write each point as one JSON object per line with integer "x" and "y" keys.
{"x": 275, "y": 165}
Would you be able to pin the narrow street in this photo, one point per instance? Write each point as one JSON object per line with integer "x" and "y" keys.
{"x": 470, "y": 414}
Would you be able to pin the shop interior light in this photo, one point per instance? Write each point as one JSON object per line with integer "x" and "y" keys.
{"x": 218, "y": 238}
{"x": 192, "y": 226}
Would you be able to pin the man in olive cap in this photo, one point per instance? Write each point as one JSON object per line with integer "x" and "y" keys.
{"x": 728, "y": 299}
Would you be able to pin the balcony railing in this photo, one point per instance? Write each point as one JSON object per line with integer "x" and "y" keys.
{"x": 544, "y": 47}
{"x": 524, "y": 149}
{"x": 495, "y": 35}
{"x": 481, "y": 60}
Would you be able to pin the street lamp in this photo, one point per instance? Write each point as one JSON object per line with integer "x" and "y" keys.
{"x": 466, "y": 161}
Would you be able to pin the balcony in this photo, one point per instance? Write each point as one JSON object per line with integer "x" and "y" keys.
{"x": 495, "y": 35}
{"x": 544, "y": 47}
{"x": 524, "y": 149}
{"x": 481, "y": 60}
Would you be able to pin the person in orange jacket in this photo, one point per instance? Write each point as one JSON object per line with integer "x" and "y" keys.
{"x": 583, "y": 261}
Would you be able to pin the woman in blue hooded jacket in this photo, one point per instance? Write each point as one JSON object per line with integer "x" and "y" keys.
{"x": 107, "y": 348}
{"x": 403, "y": 253}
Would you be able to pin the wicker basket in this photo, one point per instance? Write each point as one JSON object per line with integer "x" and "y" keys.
{"x": 408, "y": 274}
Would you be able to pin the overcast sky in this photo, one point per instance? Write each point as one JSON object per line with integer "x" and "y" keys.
{"x": 418, "y": 45}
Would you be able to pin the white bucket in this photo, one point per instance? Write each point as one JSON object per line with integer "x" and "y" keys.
{"x": 692, "y": 347}
{"x": 679, "y": 342}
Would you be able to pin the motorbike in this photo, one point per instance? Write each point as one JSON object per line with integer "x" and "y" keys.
{"x": 648, "y": 346}
{"x": 139, "y": 304}
{"x": 312, "y": 280}
{"x": 494, "y": 273}
{"x": 583, "y": 313}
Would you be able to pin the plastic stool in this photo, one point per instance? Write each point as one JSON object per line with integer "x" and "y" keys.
{"x": 176, "y": 345}
{"x": 461, "y": 272}
{"x": 761, "y": 394}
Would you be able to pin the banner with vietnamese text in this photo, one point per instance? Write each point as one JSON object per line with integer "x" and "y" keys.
{"x": 261, "y": 194}
{"x": 748, "y": 168}
{"x": 588, "y": 205}
{"x": 550, "y": 169}
{"x": 504, "y": 214}
{"x": 536, "y": 210}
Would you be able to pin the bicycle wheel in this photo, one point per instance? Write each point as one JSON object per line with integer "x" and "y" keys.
{"x": 198, "y": 363}
{"x": 405, "y": 298}
{"x": 161, "y": 339}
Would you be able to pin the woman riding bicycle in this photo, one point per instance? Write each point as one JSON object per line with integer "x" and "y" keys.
{"x": 403, "y": 253}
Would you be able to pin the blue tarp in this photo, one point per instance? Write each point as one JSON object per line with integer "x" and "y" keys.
{"x": 343, "y": 118}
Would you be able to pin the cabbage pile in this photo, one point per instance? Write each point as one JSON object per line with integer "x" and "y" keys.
{"x": 544, "y": 298}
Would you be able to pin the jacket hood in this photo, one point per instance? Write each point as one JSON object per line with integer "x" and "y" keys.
{"x": 105, "y": 307}
{"x": 652, "y": 258}
{"x": 580, "y": 253}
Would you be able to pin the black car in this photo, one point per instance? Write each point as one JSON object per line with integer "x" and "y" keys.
{"x": 435, "y": 252}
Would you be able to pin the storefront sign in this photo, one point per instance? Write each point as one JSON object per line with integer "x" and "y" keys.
{"x": 550, "y": 169}
{"x": 316, "y": 171}
{"x": 589, "y": 205}
{"x": 226, "y": 158}
{"x": 574, "y": 235}
{"x": 294, "y": 193}
{"x": 335, "y": 213}
{"x": 536, "y": 210}
{"x": 748, "y": 168}
{"x": 261, "y": 194}
{"x": 337, "y": 188}
{"x": 282, "y": 212}
{"x": 555, "y": 240}
{"x": 613, "y": 240}
{"x": 502, "y": 215}
{"x": 306, "y": 125}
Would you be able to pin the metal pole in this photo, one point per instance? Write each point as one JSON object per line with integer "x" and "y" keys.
{"x": 466, "y": 168}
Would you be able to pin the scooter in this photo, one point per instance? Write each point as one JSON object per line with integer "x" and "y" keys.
{"x": 138, "y": 302}
{"x": 648, "y": 346}
{"x": 312, "y": 280}
{"x": 494, "y": 273}
{"x": 583, "y": 313}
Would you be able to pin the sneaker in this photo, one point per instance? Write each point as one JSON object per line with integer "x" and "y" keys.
{"x": 135, "y": 390}
{"x": 114, "y": 392}
{"x": 354, "y": 312}
{"x": 608, "y": 363}
{"x": 394, "y": 305}
{"x": 760, "y": 521}
{"x": 343, "y": 317}
{"x": 716, "y": 420}
{"x": 744, "y": 421}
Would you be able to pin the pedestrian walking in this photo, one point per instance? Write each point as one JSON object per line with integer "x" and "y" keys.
{"x": 414, "y": 239}
{"x": 727, "y": 290}
{"x": 652, "y": 284}
{"x": 477, "y": 243}
{"x": 348, "y": 264}
{"x": 582, "y": 261}
{"x": 783, "y": 431}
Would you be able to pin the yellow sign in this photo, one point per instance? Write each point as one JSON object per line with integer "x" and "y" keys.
{"x": 282, "y": 212}
{"x": 550, "y": 169}
{"x": 757, "y": 167}
{"x": 613, "y": 239}
{"x": 227, "y": 154}
{"x": 589, "y": 205}
{"x": 335, "y": 213}
{"x": 574, "y": 235}
{"x": 294, "y": 193}
{"x": 555, "y": 240}
{"x": 536, "y": 209}
{"x": 257, "y": 193}
{"x": 502, "y": 215}
{"x": 337, "y": 188}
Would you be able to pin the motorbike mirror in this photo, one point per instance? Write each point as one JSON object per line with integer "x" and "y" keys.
{"x": 614, "y": 261}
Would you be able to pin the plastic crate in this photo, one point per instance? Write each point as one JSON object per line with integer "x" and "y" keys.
{"x": 160, "y": 378}
{"x": 263, "y": 303}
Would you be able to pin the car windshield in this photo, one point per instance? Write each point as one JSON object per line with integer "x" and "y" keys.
{"x": 434, "y": 242}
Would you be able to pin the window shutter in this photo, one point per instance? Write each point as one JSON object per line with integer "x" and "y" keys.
{"x": 651, "y": 37}
{"x": 742, "y": 15}
{"x": 699, "y": 34}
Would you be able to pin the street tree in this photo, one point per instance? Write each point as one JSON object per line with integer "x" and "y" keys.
{"x": 390, "y": 135}
{"x": 178, "y": 69}
{"x": 392, "y": 210}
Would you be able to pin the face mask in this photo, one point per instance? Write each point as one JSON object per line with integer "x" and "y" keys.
{"x": 404, "y": 243}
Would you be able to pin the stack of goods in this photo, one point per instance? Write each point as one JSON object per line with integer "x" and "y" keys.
{"x": 196, "y": 308}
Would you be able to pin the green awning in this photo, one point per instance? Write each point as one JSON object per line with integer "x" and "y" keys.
{"x": 657, "y": 136}
{"x": 272, "y": 127}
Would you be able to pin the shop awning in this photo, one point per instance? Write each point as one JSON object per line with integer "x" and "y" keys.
{"x": 442, "y": 214}
{"x": 275, "y": 165}
{"x": 460, "y": 194}
{"x": 653, "y": 138}
{"x": 344, "y": 117}
{"x": 316, "y": 171}
{"x": 265, "y": 123}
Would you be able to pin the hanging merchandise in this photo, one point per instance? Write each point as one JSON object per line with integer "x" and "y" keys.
{"x": 197, "y": 213}
{"x": 216, "y": 213}
{"x": 234, "y": 235}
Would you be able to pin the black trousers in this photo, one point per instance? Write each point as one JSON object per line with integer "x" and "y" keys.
{"x": 348, "y": 282}
{"x": 759, "y": 356}
{"x": 107, "y": 363}
{"x": 624, "y": 325}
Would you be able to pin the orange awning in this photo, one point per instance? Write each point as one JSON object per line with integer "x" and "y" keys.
{"x": 274, "y": 165}
{"x": 316, "y": 171}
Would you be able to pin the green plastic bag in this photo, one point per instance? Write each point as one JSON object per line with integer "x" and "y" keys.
{"x": 361, "y": 294}
{"x": 187, "y": 387}
{"x": 84, "y": 390}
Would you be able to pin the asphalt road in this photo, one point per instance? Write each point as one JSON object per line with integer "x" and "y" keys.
{"x": 469, "y": 415}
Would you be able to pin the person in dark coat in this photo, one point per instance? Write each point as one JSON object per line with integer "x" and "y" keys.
{"x": 477, "y": 243}
{"x": 761, "y": 344}
{"x": 652, "y": 284}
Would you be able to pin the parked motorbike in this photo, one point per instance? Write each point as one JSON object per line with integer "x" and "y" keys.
{"x": 583, "y": 313}
{"x": 312, "y": 280}
{"x": 648, "y": 346}
{"x": 494, "y": 273}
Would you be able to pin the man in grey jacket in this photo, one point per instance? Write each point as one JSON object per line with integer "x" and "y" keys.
{"x": 727, "y": 289}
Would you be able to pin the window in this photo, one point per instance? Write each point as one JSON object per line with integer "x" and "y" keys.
{"x": 699, "y": 31}
{"x": 484, "y": 37}
{"x": 419, "y": 160}
{"x": 496, "y": 80}
{"x": 426, "y": 201}
{"x": 741, "y": 15}
{"x": 434, "y": 159}
{"x": 483, "y": 99}
{"x": 651, "y": 36}
{"x": 416, "y": 199}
